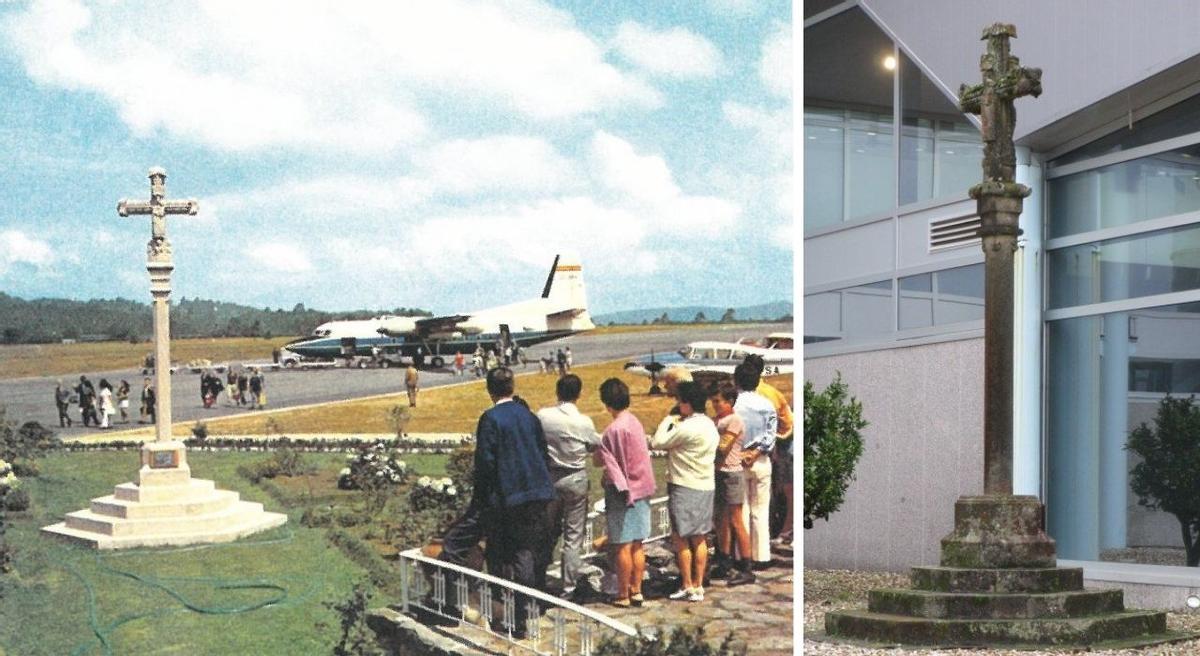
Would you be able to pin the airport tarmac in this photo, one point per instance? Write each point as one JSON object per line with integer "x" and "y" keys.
{"x": 32, "y": 399}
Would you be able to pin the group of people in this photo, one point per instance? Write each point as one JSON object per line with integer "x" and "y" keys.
{"x": 241, "y": 388}
{"x": 559, "y": 362}
{"x": 531, "y": 483}
{"x": 99, "y": 404}
{"x": 485, "y": 360}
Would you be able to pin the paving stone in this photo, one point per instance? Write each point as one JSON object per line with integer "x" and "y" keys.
{"x": 709, "y": 611}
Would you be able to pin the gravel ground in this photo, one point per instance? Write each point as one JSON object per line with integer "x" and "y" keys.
{"x": 828, "y": 590}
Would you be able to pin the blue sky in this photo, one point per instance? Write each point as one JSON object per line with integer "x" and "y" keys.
{"x": 433, "y": 155}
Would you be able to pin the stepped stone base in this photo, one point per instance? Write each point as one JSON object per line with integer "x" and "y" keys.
{"x": 998, "y": 587}
{"x": 165, "y": 507}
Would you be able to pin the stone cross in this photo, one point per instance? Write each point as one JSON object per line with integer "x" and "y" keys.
{"x": 999, "y": 201}
{"x": 160, "y": 265}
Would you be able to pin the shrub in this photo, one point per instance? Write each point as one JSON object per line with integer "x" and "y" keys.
{"x": 1165, "y": 479}
{"x": 398, "y": 418}
{"x": 317, "y": 517}
{"x": 377, "y": 472}
{"x": 20, "y": 447}
{"x": 9, "y": 484}
{"x": 833, "y": 444}
{"x": 200, "y": 431}
{"x": 680, "y": 643}
{"x": 17, "y": 500}
{"x": 357, "y": 638}
{"x": 461, "y": 468}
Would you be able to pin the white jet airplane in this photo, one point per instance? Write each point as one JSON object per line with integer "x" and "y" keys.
{"x": 561, "y": 311}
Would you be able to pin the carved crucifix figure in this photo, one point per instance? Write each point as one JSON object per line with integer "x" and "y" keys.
{"x": 999, "y": 199}
{"x": 158, "y": 208}
{"x": 159, "y": 264}
{"x": 1004, "y": 80}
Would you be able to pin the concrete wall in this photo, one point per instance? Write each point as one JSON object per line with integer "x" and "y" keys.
{"x": 923, "y": 450}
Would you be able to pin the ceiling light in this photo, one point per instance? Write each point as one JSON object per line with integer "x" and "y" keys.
{"x": 889, "y": 63}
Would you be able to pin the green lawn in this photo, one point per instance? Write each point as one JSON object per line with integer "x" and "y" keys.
{"x": 60, "y": 595}
{"x": 263, "y": 595}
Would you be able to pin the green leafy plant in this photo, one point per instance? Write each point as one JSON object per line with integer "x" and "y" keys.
{"x": 681, "y": 642}
{"x": 833, "y": 444}
{"x": 398, "y": 418}
{"x": 21, "y": 447}
{"x": 1166, "y": 477}
{"x": 357, "y": 639}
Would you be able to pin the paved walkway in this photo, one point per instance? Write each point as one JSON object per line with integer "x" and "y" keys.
{"x": 759, "y": 615}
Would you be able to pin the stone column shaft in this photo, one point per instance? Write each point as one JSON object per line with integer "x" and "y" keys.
{"x": 999, "y": 209}
{"x": 160, "y": 290}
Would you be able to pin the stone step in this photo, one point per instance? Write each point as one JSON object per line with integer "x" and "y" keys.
{"x": 239, "y": 526}
{"x": 192, "y": 504}
{"x": 86, "y": 520}
{"x": 976, "y": 605}
{"x": 879, "y": 628}
{"x": 195, "y": 487}
{"x": 1035, "y": 580}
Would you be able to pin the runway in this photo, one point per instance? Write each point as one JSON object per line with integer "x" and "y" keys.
{"x": 32, "y": 399}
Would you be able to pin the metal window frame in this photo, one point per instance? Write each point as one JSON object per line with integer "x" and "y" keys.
{"x": 1100, "y": 161}
{"x": 1122, "y": 305}
{"x": 1122, "y": 231}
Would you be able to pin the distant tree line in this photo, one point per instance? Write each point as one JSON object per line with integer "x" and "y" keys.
{"x": 47, "y": 320}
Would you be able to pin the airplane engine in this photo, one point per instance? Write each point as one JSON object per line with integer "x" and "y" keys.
{"x": 470, "y": 328}
{"x": 397, "y": 326}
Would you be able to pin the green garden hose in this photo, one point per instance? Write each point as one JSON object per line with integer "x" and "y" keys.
{"x": 103, "y": 633}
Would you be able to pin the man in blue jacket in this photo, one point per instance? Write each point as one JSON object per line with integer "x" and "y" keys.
{"x": 511, "y": 489}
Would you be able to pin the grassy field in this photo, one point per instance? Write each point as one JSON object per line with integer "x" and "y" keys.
{"x": 60, "y": 595}
{"x": 440, "y": 410}
{"x": 20, "y": 360}
{"x": 60, "y": 599}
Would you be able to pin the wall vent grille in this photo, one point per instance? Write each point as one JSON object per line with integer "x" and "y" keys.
{"x": 953, "y": 233}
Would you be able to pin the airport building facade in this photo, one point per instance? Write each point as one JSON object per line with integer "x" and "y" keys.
{"x": 1107, "y": 272}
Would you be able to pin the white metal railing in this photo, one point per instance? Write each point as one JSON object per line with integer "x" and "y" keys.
{"x": 595, "y": 526}
{"x": 572, "y": 628}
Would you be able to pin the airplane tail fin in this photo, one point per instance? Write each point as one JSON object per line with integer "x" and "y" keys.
{"x": 566, "y": 295}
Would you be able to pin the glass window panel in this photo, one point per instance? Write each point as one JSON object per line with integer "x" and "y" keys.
{"x": 959, "y": 295}
{"x": 940, "y": 149}
{"x": 870, "y": 174}
{"x": 867, "y": 309}
{"x": 862, "y": 311}
{"x": 1106, "y": 376}
{"x": 822, "y": 317}
{"x": 916, "y": 301}
{"x": 1158, "y": 262}
{"x": 845, "y": 68}
{"x": 1151, "y": 187}
{"x": 824, "y": 148}
{"x": 1177, "y": 120}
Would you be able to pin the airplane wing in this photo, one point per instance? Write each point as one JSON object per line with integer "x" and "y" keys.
{"x": 426, "y": 327}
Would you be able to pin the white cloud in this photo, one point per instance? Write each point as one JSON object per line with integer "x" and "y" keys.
{"x": 249, "y": 75}
{"x": 280, "y": 257}
{"x": 772, "y": 128}
{"x": 501, "y": 163}
{"x": 775, "y": 67}
{"x": 645, "y": 184}
{"x": 17, "y": 247}
{"x": 675, "y": 52}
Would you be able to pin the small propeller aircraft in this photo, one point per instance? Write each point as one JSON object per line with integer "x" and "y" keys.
{"x": 560, "y": 311}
